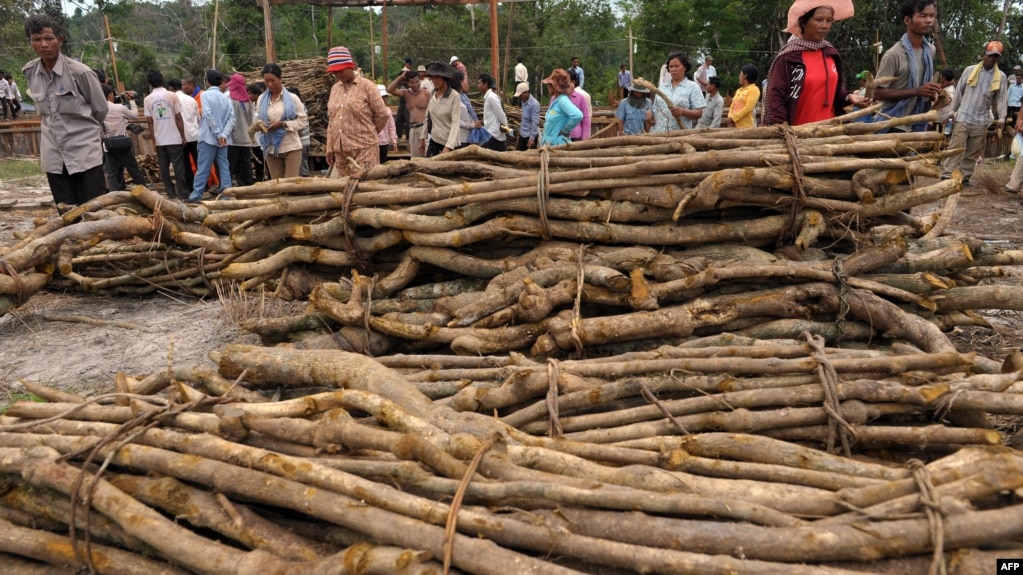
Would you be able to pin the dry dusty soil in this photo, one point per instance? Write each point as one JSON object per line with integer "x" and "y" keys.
{"x": 49, "y": 340}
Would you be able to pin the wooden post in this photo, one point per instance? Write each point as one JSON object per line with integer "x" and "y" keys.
{"x": 372, "y": 51}
{"x": 507, "y": 51}
{"x": 383, "y": 32}
{"x": 216, "y": 16}
{"x": 268, "y": 32}
{"x": 113, "y": 58}
{"x": 330, "y": 27}
{"x": 493, "y": 39}
{"x": 631, "y": 51}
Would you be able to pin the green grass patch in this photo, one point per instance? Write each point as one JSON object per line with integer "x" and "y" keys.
{"x": 15, "y": 169}
{"x": 15, "y": 397}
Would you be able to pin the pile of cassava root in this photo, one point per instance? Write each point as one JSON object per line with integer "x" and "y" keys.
{"x": 698, "y": 458}
{"x": 701, "y": 352}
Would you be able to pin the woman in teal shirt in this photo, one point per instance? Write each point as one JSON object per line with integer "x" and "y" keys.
{"x": 562, "y": 115}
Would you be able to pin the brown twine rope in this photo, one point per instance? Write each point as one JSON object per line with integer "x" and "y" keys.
{"x": 931, "y": 502}
{"x": 554, "y": 428}
{"x": 842, "y": 278}
{"x": 346, "y": 208}
{"x": 837, "y": 425}
{"x": 367, "y": 313}
{"x": 576, "y": 307}
{"x": 451, "y": 525}
{"x": 128, "y": 431}
{"x": 649, "y": 396}
{"x": 797, "y": 188}
{"x": 543, "y": 184}
{"x": 19, "y": 286}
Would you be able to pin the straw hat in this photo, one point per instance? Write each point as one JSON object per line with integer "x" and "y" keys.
{"x": 842, "y": 8}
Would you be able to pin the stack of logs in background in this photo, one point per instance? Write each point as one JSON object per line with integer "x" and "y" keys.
{"x": 701, "y": 352}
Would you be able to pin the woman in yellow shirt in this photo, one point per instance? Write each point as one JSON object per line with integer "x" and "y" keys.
{"x": 740, "y": 115}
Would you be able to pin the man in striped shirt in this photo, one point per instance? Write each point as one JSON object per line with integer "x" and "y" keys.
{"x": 981, "y": 96}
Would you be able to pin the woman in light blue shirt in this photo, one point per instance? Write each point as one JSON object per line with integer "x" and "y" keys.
{"x": 687, "y": 100}
{"x": 562, "y": 115}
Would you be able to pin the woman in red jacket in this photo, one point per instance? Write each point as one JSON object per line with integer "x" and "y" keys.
{"x": 805, "y": 81}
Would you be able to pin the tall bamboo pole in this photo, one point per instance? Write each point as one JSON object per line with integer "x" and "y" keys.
{"x": 113, "y": 58}
{"x": 330, "y": 27}
{"x": 493, "y": 39}
{"x": 216, "y": 17}
{"x": 631, "y": 52}
{"x": 268, "y": 32}
{"x": 507, "y": 51}
{"x": 372, "y": 52}
{"x": 383, "y": 32}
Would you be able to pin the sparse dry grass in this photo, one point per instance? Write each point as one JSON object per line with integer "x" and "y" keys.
{"x": 238, "y": 306}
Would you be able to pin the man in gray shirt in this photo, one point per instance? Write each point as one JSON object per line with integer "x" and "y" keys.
{"x": 711, "y": 117}
{"x": 911, "y": 63}
{"x": 70, "y": 100}
{"x": 982, "y": 95}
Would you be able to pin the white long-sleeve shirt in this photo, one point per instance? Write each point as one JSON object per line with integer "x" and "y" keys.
{"x": 494, "y": 116}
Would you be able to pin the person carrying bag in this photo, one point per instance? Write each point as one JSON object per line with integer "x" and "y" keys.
{"x": 118, "y": 153}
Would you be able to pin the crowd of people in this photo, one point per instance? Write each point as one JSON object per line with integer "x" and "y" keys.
{"x": 250, "y": 130}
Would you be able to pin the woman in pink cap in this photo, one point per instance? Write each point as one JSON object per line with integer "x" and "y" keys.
{"x": 239, "y": 152}
{"x": 805, "y": 81}
{"x": 355, "y": 115}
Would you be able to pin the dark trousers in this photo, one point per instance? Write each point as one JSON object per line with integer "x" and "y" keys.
{"x": 239, "y": 159}
{"x": 168, "y": 156}
{"x": 401, "y": 119}
{"x": 303, "y": 168}
{"x": 383, "y": 152}
{"x": 522, "y": 144}
{"x": 15, "y": 107}
{"x": 1011, "y": 116}
{"x": 190, "y": 151}
{"x": 114, "y": 164}
{"x": 434, "y": 148}
{"x": 496, "y": 145}
{"x": 4, "y": 106}
{"x": 76, "y": 189}
{"x": 258, "y": 163}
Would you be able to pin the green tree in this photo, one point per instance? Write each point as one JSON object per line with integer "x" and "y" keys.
{"x": 14, "y": 47}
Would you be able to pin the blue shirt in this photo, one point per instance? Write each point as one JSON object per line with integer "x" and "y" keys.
{"x": 1015, "y": 95}
{"x": 562, "y": 116}
{"x": 624, "y": 79}
{"x": 530, "y": 125}
{"x": 633, "y": 119}
{"x": 582, "y": 75}
{"x": 217, "y": 117}
{"x": 686, "y": 95}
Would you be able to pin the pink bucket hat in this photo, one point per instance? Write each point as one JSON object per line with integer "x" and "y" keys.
{"x": 842, "y": 8}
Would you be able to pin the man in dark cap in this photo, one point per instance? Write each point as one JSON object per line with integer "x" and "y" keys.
{"x": 443, "y": 112}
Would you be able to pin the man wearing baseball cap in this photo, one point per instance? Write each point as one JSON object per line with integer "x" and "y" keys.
{"x": 529, "y": 129}
{"x": 863, "y": 77}
{"x": 460, "y": 67}
{"x": 981, "y": 96}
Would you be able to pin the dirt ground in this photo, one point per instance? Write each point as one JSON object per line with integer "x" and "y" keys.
{"x": 49, "y": 340}
{"x": 52, "y": 340}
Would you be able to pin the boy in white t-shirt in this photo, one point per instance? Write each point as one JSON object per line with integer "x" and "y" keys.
{"x": 163, "y": 114}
